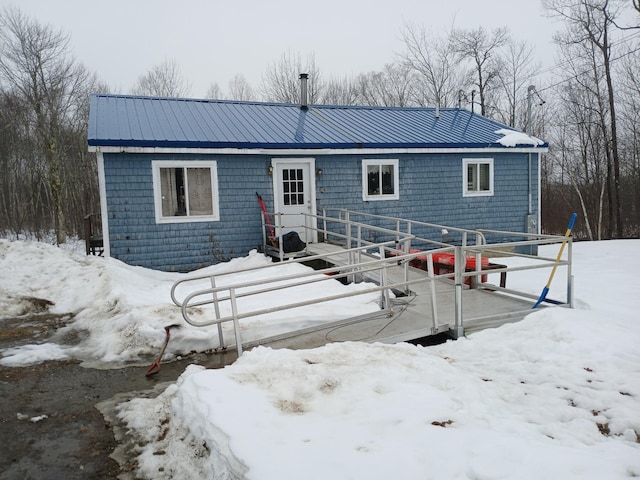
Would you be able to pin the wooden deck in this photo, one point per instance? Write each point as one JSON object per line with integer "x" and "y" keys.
{"x": 412, "y": 316}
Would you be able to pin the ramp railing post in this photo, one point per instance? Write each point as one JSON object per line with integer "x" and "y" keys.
{"x": 407, "y": 250}
{"x": 475, "y": 281}
{"x": 324, "y": 225}
{"x": 348, "y": 229}
{"x": 405, "y": 267}
{"x": 359, "y": 243}
{"x": 236, "y": 322}
{"x": 479, "y": 239}
{"x": 278, "y": 217}
{"x": 458, "y": 268}
{"x": 384, "y": 300}
{"x": 434, "y": 305}
{"x": 216, "y": 306}
{"x": 264, "y": 235}
{"x": 355, "y": 259}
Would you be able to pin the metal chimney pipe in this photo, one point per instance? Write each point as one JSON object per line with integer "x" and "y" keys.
{"x": 303, "y": 91}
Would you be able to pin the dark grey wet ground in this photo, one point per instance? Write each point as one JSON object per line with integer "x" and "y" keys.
{"x": 50, "y": 427}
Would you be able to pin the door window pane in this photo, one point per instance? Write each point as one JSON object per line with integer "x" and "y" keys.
{"x": 293, "y": 186}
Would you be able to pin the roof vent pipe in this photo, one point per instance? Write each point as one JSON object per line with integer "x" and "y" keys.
{"x": 303, "y": 91}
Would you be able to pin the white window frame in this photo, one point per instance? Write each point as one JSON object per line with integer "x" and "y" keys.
{"x": 465, "y": 186}
{"x": 365, "y": 181}
{"x": 156, "y": 165}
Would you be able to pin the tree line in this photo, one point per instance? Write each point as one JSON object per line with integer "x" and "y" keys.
{"x": 586, "y": 108}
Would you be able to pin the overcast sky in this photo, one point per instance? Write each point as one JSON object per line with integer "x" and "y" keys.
{"x": 212, "y": 41}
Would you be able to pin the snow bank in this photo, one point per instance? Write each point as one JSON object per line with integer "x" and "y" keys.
{"x": 556, "y": 395}
{"x": 528, "y": 401}
{"x": 120, "y": 311}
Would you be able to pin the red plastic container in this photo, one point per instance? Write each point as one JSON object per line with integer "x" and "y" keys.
{"x": 445, "y": 263}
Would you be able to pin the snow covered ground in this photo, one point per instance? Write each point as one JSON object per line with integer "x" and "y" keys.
{"x": 555, "y": 396}
{"x": 120, "y": 311}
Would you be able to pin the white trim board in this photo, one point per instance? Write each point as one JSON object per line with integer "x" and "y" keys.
{"x": 313, "y": 152}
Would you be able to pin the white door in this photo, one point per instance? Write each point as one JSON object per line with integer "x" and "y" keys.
{"x": 294, "y": 194}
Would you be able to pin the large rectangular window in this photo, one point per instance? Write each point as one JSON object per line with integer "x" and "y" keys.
{"x": 185, "y": 191}
{"x": 477, "y": 177}
{"x": 380, "y": 180}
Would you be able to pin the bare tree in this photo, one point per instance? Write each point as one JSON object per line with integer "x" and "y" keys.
{"x": 16, "y": 174}
{"x": 514, "y": 78}
{"x": 436, "y": 61}
{"x": 163, "y": 80}
{"x": 630, "y": 141}
{"x": 240, "y": 89}
{"x": 341, "y": 91}
{"x": 281, "y": 83}
{"x": 579, "y": 152}
{"x": 214, "y": 91}
{"x": 483, "y": 50}
{"x": 393, "y": 86}
{"x": 589, "y": 30}
{"x": 39, "y": 75}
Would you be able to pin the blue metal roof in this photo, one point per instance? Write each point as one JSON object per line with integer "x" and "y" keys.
{"x": 133, "y": 121}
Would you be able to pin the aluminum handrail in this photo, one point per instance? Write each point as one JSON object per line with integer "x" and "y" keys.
{"x": 520, "y": 234}
{"x": 348, "y": 223}
{"x": 436, "y": 226}
{"x": 271, "y": 265}
{"x": 318, "y": 277}
{"x": 379, "y": 264}
{"x": 401, "y": 255}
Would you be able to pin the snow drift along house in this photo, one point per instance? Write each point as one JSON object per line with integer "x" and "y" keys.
{"x": 178, "y": 177}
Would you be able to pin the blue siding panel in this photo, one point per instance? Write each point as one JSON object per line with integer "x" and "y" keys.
{"x": 430, "y": 191}
{"x": 137, "y": 239}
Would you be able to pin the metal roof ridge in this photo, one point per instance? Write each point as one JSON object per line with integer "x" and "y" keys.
{"x": 276, "y": 104}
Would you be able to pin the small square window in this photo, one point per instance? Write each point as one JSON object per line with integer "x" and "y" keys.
{"x": 380, "y": 180}
{"x": 477, "y": 177}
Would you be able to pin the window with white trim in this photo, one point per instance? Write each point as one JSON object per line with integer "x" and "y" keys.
{"x": 185, "y": 191}
{"x": 380, "y": 180}
{"x": 477, "y": 177}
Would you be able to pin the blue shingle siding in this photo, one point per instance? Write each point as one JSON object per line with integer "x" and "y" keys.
{"x": 136, "y": 239}
{"x": 431, "y": 184}
{"x": 431, "y": 190}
